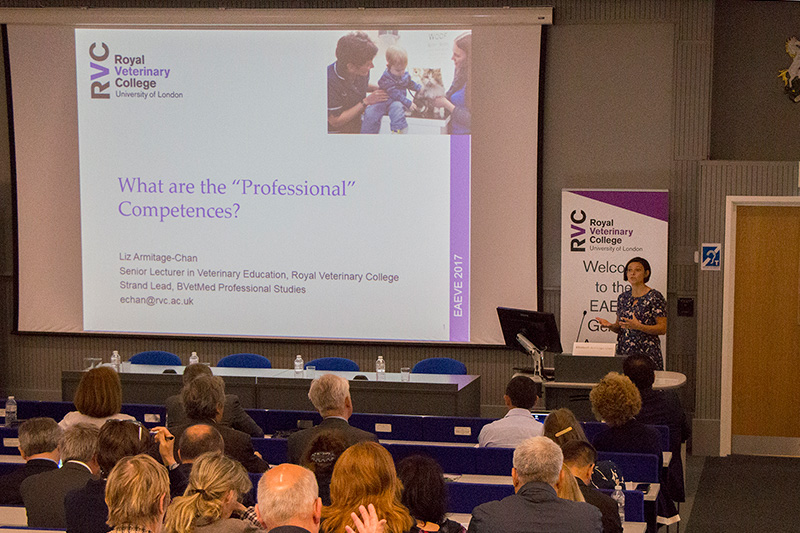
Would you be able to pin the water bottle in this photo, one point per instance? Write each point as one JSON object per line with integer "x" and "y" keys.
{"x": 298, "y": 366}
{"x": 11, "y": 412}
{"x": 619, "y": 497}
{"x": 193, "y": 359}
{"x": 116, "y": 361}
{"x": 380, "y": 368}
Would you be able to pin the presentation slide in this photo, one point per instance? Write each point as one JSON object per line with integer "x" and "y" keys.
{"x": 215, "y": 200}
{"x": 306, "y": 174}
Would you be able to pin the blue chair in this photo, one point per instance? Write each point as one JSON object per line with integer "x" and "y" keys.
{"x": 439, "y": 365}
{"x": 335, "y": 364}
{"x": 155, "y": 357}
{"x": 245, "y": 360}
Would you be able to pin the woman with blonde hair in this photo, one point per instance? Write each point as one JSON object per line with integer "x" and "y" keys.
{"x": 561, "y": 426}
{"x": 215, "y": 485}
{"x": 98, "y": 398}
{"x": 365, "y": 474}
{"x": 567, "y": 488}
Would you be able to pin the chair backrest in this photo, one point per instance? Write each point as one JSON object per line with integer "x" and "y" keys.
{"x": 245, "y": 360}
{"x": 439, "y": 365}
{"x": 155, "y": 357}
{"x": 340, "y": 364}
{"x": 638, "y": 467}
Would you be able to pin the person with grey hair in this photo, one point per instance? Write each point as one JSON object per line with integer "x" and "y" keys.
{"x": 43, "y": 494}
{"x": 204, "y": 400}
{"x": 330, "y": 395}
{"x": 38, "y": 446}
{"x": 535, "y": 507}
{"x": 233, "y": 414}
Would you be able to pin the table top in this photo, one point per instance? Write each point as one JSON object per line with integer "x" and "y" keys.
{"x": 287, "y": 373}
{"x": 665, "y": 379}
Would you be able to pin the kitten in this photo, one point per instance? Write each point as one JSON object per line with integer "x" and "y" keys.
{"x": 432, "y": 87}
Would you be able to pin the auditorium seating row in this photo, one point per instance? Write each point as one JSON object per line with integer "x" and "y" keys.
{"x": 388, "y": 427}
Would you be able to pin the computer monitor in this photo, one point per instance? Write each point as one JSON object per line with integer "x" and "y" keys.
{"x": 538, "y": 328}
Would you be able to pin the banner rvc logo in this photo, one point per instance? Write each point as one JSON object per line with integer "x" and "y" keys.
{"x": 99, "y": 89}
{"x": 576, "y": 244}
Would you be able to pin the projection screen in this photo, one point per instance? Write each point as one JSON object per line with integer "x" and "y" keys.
{"x": 188, "y": 173}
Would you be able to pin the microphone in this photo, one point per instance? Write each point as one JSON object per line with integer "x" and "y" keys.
{"x": 578, "y": 337}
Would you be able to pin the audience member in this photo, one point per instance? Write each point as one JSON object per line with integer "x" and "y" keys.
{"x": 43, "y": 494}
{"x": 365, "y": 474}
{"x": 562, "y": 427}
{"x": 195, "y": 441}
{"x": 85, "y": 508}
{"x": 233, "y": 414}
{"x": 98, "y": 398}
{"x": 38, "y": 446}
{"x": 518, "y": 424}
{"x": 137, "y": 495}
{"x": 204, "y": 398}
{"x": 616, "y": 400}
{"x": 215, "y": 485}
{"x": 330, "y": 395}
{"x": 580, "y": 457}
{"x": 320, "y": 457}
{"x": 661, "y": 407}
{"x": 288, "y": 500}
{"x": 288, "y": 503}
{"x": 425, "y": 495}
{"x": 535, "y": 505}
{"x": 567, "y": 488}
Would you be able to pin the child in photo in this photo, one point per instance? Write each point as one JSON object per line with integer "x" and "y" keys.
{"x": 396, "y": 82}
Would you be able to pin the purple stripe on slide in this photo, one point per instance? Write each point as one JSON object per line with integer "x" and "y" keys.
{"x": 459, "y": 237}
{"x": 649, "y": 203}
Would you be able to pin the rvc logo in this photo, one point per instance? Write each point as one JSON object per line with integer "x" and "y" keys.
{"x": 99, "y": 54}
{"x": 577, "y": 244}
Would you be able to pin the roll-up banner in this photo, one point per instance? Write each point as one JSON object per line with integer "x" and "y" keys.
{"x": 601, "y": 230}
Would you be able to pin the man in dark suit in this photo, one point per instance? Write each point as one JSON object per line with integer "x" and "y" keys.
{"x": 195, "y": 441}
{"x": 204, "y": 399}
{"x": 580, "y": 457}
{"x": 661, "y": 407}
{"x": 43, "y": 494}
{"x": 233, "y": 414}
{"x": 535, "y": 505}
{"x": 38, "y": 446}
{"x": 330, "y": 395}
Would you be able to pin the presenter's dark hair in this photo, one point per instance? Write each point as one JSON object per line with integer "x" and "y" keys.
{"x": 642, "y": 261}
{"x": 355, "y": 48}
{"x": 424, "y": 491}
{"x": 522, "y": 391}
{"x": 640, "y": 369}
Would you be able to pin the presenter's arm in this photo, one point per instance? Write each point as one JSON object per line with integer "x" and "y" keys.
{"x": 659, "y": 328}
{"x": 615, "y": 327}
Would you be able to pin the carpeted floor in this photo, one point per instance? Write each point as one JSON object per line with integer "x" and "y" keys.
{"x": 747, "y": 493}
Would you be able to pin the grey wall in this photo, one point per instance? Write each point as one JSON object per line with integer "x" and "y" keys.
{"x": 627, "y": 104}
{"x": 752, "y": 117}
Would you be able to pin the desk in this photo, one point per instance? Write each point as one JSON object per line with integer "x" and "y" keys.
{"x": 575, "y": 396}
{"x": 276, "y": 388}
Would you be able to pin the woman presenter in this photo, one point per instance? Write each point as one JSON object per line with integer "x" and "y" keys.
{"x": 641, "y": 315}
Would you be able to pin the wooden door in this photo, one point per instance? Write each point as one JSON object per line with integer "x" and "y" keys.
{"x": 766, "y": 337}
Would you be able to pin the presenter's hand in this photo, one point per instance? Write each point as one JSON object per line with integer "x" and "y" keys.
{"x": 630, "y": 323}
{"x": 368, "y": 523}
{"x": 603, "y": 322}
{"x": 376, "y": 96}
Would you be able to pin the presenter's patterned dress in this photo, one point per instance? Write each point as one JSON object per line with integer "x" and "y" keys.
{"x": 646, "y": 309}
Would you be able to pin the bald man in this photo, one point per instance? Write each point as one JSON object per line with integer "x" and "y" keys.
{"x": 288, "y": 502}
{"x": 195, "y": 441}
